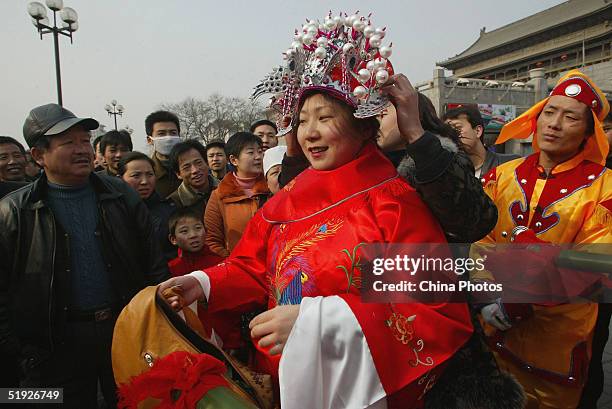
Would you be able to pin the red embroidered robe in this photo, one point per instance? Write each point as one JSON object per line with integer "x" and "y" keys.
{"x": 295, "y": 248}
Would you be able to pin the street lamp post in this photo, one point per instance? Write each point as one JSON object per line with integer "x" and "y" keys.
{"x": 113, "y": 110}
{"x": 68, "y": 15}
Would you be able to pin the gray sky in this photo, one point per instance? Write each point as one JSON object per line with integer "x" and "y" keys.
{"x": 146, "y": 52}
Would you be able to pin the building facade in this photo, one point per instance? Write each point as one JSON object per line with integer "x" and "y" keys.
{"x": 573, "y": 34}
{"x": 510, "y": 68}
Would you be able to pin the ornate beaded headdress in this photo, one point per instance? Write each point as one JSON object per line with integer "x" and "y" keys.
{"x": 343, "y": 56}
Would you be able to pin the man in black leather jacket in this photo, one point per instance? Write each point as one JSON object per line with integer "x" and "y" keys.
{"x": 75, "y": 247}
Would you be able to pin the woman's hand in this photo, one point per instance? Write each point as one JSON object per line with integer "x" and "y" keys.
{"x": 405, "y": 98}
{"x": 274, "y": 326}
{"x": 293, "y": 147}
{"x": 188, "y": 290}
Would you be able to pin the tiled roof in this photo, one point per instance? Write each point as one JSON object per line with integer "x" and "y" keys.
{"x": 545, "y": 20}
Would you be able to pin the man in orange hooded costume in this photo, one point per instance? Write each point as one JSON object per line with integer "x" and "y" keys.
{"x": 562, "y": 193}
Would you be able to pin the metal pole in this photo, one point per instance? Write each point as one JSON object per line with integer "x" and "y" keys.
{"x": 115, "y": 115}
{"x": 57, "y": 62}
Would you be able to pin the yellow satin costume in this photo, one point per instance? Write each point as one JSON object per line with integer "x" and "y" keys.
{"x": 549, "y": 352}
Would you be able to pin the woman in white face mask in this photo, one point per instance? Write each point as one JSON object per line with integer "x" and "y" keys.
{"x": 163, "y": 132}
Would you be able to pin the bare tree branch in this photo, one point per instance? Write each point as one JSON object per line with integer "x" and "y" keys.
{"x": 217, "y": 117}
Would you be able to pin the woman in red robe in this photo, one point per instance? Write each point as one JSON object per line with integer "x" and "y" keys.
{"x": 300, "y": 255}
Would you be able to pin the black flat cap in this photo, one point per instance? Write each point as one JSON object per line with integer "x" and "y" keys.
{"x": 52, "y": 119}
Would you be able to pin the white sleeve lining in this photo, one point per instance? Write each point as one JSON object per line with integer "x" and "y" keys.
{"x": 326, "y": 362}
{"x": 204, "y": 281}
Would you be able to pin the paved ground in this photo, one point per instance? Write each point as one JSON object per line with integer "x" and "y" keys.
{"x": 605, "y": 402}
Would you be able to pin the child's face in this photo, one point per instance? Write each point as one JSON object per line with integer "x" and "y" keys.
{"x": 189, "y": 234}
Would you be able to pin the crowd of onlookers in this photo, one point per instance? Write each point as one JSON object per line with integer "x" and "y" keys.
{"x": 223, "y": 183}
{"x": 185, "y": 173}
{"x": 88, "y": 213}
{"x": 199, "y": 200}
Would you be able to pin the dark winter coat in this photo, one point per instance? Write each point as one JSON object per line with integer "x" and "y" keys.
{"x": 35, "y": 268}
{"x": 160, "y": 210}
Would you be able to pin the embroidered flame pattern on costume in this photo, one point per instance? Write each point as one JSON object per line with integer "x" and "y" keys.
{"x": 402, "y": 329}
